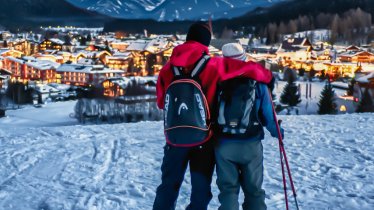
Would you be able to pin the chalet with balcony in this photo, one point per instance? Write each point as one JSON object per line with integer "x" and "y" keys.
{"x": 51, "y": 44}
{"x": 355, "y": 56}
{"x": 119, "y": 61}
{"x": 296, "y": 49}
{"x": 120, "y": 46}
{"x": 149, "y": 55}
{"x": 353, "y": 48}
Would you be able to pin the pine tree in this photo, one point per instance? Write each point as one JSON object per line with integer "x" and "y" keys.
{"x": 290, "y": 95}
{"x": 366, "y": 104}
{"x": 326, "y": 104}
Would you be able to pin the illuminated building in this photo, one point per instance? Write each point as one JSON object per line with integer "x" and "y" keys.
{"x": 51, "y": 44}
{"x": 8, "y": 52}
{"x": 85, "y": 75}
{"x": 149, "y": 56}
{"x": 115, "y": 87}
{"x": 29, "y": 68}
{"x": 119, "y": 61}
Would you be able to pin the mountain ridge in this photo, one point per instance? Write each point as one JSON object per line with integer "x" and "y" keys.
{"x": 169, "y": 10}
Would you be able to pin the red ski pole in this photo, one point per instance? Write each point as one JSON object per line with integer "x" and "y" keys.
{"x": 283, "y": 151}
{"x": 283, "y": 176}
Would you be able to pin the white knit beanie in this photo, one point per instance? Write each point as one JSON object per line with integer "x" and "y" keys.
{"x": 235, "y": 51}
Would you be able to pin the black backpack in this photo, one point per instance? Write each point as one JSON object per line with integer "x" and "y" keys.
{"x": 186, "y": 111}
{"x": 237, "y": 115}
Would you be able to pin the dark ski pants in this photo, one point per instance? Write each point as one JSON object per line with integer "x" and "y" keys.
{"x": 240, "y": 163}
{"x": 201, "y": 161}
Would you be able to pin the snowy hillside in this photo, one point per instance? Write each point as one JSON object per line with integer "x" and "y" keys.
{"x": 118, "y": 166}
{"x": 171, "y": 9}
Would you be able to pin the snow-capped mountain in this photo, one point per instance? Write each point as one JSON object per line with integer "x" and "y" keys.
{"x": 172, "y": 9}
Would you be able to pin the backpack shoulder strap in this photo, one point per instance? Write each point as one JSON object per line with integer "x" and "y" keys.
{"x": 200, "y": 66}
{"x": 177, "y": 71}
{"x": 250, "y": 106}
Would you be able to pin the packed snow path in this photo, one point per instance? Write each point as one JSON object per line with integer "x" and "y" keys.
{"x": 118, "y": 166}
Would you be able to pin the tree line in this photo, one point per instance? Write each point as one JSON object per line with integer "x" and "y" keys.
{"x": 353, "y": 26}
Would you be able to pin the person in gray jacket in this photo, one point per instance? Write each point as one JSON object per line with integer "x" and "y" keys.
{"x": 240, "y": 160}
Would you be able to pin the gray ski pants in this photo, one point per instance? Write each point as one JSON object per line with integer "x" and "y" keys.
{"x": 240, "y": 163}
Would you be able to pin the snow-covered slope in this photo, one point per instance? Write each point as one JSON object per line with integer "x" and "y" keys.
{"x": 118, "y": 166}
{"x": 171, "y": 9}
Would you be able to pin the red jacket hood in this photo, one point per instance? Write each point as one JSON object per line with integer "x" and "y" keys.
{"x": 187, "y": 54}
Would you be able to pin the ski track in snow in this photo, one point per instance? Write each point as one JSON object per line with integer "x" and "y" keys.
{"x": 118, "y": 166}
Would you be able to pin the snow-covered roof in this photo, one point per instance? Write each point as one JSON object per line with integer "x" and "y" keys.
{"x": 110, "y": 39}
{"x": 138, "y": 45}
{"x": 57, "y": 57}
{"x": 51, "y": 51}
{"x": 93, "y": 54}
{"x": 120, "y": 55}
{"x": 4, "y": 50}
{"x": 143, "y": 80}
{"x": 120, "y": 81}
{"x": 5, "y": 71}
{"x": 367, "y": 67}
{"x": 354, "y": 53}
{"x": 60, "y": 86}
{"x": 294, "y": 44}
{"x": 93, "y": 69}
{"x": 120, "y": 42}
{"x": 182, "y": 37}
{"x": 63, "y": 53}
{"x": 85, "y": 61}
{"x": 42, "y": 88}
{"x": 341, "y": 85}
{"x": 366, "y": 79}
{"x": 157, "y": 45}
{"x": 57, "y": 41}
{"x": 16, "y": 40}
{"x": 43, "y": 64}
{"x": 353, "y": 47}
{"x": 15, "y": 59}
{"x": 28, "y": 58}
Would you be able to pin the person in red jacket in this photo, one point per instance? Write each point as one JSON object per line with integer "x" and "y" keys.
{"x": 200, "y": 159}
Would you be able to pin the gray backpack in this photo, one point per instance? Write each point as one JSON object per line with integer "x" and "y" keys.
{"x": 237, "y": 112}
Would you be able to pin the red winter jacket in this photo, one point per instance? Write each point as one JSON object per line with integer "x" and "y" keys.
{"x": 218, "y": 69}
